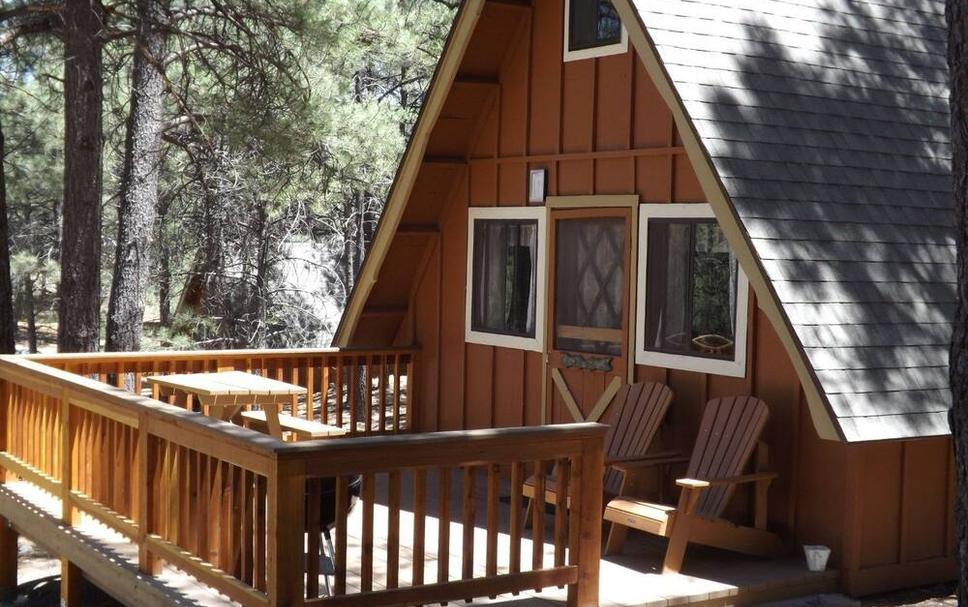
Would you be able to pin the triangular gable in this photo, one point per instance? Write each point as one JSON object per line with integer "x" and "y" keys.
{"x": 818, "y": 385}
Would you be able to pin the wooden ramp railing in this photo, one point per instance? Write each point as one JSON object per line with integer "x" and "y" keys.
{"x": 364, "y": 391}
{"x": 231, "y": 507}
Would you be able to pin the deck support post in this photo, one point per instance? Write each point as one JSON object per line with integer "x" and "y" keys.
{"x": 286, "y": 523}
{"x": 586, "y": 525}
{"x": 72, "y": 584}
{"x": 8, "y": 555}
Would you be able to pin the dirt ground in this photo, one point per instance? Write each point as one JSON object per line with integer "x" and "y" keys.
{"x": 929, "y": 596}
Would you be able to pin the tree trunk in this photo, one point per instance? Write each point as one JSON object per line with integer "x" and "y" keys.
{"x": 8, "y": 322}
{"x": 164, "y": 265}
{"x": 31, "y": 310}
{"x": 139, "y": 182}
{"x": 957, "y": 18}
{"x": 80, "y": 284}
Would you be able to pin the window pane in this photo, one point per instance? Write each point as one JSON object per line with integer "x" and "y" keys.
{"x": 504, "y": 281}
{"x": 691, "y": 290}
{"x": 593, "y": 23}
{"x": 590, "y": 285}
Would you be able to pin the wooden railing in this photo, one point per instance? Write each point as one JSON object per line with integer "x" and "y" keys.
{"x": 364, "y": 391}
{"x": 217, "y": 501}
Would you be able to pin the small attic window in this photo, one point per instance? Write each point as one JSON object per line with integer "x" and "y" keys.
{"x": 693, "y": 300}
{"x": 592, "y": 29}
{"x": 505, "y": 277}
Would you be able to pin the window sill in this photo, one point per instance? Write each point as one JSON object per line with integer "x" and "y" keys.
{"x": 514, "y": 342}
{"x": 683, "y": 362}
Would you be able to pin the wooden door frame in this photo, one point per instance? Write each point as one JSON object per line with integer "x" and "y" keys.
{"x": 625, "y": 206}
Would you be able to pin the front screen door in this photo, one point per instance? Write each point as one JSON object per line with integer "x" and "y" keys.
{"x": 588, "y": 307}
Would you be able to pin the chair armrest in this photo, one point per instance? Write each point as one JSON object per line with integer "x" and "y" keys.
{"x": 755, "y": 477}
{"x": 692, "y": 483}
{"x": 658, "y": 459}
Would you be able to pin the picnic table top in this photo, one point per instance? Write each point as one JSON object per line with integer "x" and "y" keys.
{"x": 226, "y": 383}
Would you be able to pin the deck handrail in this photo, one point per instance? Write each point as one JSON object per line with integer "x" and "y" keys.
{"x": 217, "y": 501}
{"x": 365, "y": 391}
{"x": 89, "y": 357}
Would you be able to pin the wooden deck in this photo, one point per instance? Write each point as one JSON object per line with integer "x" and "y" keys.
{"x": 710, "y": 577}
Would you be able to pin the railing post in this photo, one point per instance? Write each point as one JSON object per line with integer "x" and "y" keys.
{"x": 413, "y": 419}
{"x": 286, "y": 521}
{"x": 8, "y": 536}
{"x": 147, "y": 563}
{"x": 586, "y": 533}
{"x": 71, "y": 579}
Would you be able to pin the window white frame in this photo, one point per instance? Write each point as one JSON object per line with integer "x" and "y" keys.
{"x": 597, "y": 51}
{"x": 732, "y": 368}
{"x": 535, "y": 343}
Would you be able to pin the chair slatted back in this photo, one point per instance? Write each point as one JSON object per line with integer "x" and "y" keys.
{"x": 728, "y": 433}
{"x": 638, "y": 411}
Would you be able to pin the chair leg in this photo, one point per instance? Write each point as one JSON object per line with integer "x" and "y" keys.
{"x": 676, "y": 550}
{"x": 527, "y": 512}
{"x": 616, "y": 539}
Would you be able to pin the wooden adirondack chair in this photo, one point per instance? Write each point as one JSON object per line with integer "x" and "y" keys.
{"x": 640, "y": 409}
{"x": 728, "y": 434}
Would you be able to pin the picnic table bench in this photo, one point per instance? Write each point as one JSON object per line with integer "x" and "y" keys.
{"x": 223, "y": 395}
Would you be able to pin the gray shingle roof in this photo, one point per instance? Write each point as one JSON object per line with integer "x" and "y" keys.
{"x": 827, "y": 122}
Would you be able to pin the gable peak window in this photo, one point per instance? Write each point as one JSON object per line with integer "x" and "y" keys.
{"x": 693, "y": 301}
{"x": 505, "y": 303}
{"x": 592, "y": 29}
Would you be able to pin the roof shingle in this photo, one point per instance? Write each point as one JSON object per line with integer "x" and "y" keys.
{"x": 827, "y": 122}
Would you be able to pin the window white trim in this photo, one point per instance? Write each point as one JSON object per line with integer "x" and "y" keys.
{"x": 596, "y": 51}
{"x": 732, "y": 368}
{"x": 535, "y": 343}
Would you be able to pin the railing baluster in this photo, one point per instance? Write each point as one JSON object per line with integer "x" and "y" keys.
{"x": 561, "y": 511}
{"x": 310, "y": 387}
{"x": 393, "y": 529}
{"x": 367, "y": 395}
{"x": 443, "y": 525}
{"x": 493, "y": 495}
{"x": 366, "y": 558}
{"x": 261, "y": 531}
{"x": 324, "y": 391}
{"x": 419, "y": 524}
{"x": 313, "y": 532}
{"x": 353, "y": 388}
{"x": 396, "y": 393}
{"x": 537, "y": 513}
{"x": 467, "y": 522}
{"x": 339, "y": 392}
{"x": 382, "y": 396}
{"x": 517, "y": 479}
{"x": 339, "y": 559}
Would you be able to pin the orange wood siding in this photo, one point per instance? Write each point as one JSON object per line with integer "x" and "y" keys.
{"x": 599, "y": 126}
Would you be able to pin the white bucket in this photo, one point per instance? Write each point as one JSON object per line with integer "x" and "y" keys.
{"x": 816, "y": 556}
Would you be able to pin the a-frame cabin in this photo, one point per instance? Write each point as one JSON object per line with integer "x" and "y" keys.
{"x": 730, "y": 198}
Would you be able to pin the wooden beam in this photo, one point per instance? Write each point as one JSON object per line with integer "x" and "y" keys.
{"x": 598, "y": 155}
{"x": 473, "y": 80}
{"x": 516, "y": 4}
{"x": 452, "y": 161}
{"x": 418, "y": 230}
{"x": 384, "y": 311}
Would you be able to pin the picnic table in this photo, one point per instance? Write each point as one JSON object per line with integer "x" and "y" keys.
{"x": 223, "y": 395}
